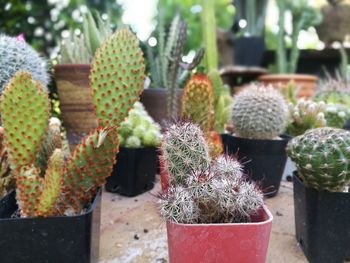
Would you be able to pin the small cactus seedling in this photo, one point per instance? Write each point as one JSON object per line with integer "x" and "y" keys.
{"x": 305, "y": 115}
{"x": 322, "y": 158}
{"x": 259, "y": 112}
{"x": 210, "y": 191}
{"x": 336, "y": 115}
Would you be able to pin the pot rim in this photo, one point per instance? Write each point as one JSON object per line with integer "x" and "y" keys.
{"x": 283, "y": 137}
{"x": 284, "y": 77}
{"x": 264, "y": 222}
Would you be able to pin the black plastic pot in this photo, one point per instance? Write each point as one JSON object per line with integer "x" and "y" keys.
{"x": 135, "y": 171}
{"x": 263, "y": 160}
{"x": 68, "y": 239}
{"x": 322, "y": 223}
{"x": 249, "y": 51}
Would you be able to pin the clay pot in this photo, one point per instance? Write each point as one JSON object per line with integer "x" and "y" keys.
{"x": 224, "y": 243}
{"x": 75, "y": 98}
{"x": 155, "y": 102}
{"x": 306, "y": 84}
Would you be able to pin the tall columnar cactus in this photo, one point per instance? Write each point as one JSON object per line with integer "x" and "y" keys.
{"x": 305, "y": 115}
{"x": 198, "y": 101}
{"x": 17, "y": 55}
{"x": 117, "y": 77}
{"x": 184, "y": 150}
{"x": 322, "y": 157}
{"x": 259, "y": 112}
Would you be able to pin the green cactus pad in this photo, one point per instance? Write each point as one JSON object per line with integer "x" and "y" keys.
{"x": 25, "y": 112}
{"x": 52, "y": 186}
{"x": 198, "y": 101}
{"x": 322, "y": 157}
{"x": 90, "y": 164}
{"x": 117, "y": 77}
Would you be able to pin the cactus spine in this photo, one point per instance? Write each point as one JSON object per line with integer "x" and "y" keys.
{"x": 18, "y": 55}
{"x": 259, "y": 112}
{"x": 322, "y": 158}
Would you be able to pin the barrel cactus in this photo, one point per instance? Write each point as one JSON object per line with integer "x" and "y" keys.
{"x": 15, "y": 55}
{"x": 322, "y": 158}
{"x": 259, "y": 112}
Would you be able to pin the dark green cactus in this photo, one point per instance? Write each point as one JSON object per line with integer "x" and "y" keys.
{"x": 322, "y": 157}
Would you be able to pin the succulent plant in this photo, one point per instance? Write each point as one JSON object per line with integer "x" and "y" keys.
{"x": 139, "y": 129}
{"x": 333, "y": 91}
{"x": 184, "y": 150}
{"x": 322, "y": 158}
{"x": 336, "y": 115}
{"x": 64, "y": 184}
{"x": 305, "y": 115}
{"x": 208, "y": 192}
{"x": 81, "y": 49}
{"x": 259, "y": 112}
{"x": 7, "y": 180}
{"x": 17, "y": 55}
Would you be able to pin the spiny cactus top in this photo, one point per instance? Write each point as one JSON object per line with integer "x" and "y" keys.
{"x": 322, "y": 157}
{"x": 259, "y": 112}
{"x": 117, "y": 77}
{"x": 17, "y": 55}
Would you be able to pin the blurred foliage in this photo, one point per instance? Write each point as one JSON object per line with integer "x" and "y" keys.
{"x": 42, "y": 21}
{"x": 190, "y": 12}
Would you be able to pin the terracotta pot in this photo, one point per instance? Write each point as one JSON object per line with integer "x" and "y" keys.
{"x": 155, "y": 102}
{"x": 220, "y": 243}
{"x": 74, "y": 94}
{"x": 306, "y": 84}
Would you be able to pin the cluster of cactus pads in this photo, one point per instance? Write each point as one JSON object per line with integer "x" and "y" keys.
{"x": 202, "y": 189}
{"x": 198, "y": 107}
{"x": 322, "y": 157}
{"x": 49, "y": 181}
{"x": 259, "y": 112}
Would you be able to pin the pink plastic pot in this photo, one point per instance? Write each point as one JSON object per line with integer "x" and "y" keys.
{"x": 220, "y": 243}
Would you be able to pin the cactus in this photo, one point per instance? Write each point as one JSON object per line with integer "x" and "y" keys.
{"x": 209, "y": 193}
{"x": 17, "y": 55}
{"x": 333, "y": 91}
{"x": 336, "y": 115}
{"x": 184, "y": 150}
{"x": 322, "y": 158}
{"x": 305, "y": 115}
{"x": 7, "y": 180}
{"x": 259, "y": 112}
{"x": 198, "y": 102}
{"x": 117, "y": 74}
{"x": 68, "y": 186}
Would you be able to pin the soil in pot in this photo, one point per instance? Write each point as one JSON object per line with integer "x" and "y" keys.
{"x": 306, "y": 84}
{"x": 322, "y": 223}
{"x": 68, "y": 239}
{"x": 155, "y": 102}
{"x": 135, "y": 170}
{"x": 224, "y": 243}
{"x": 74, "y": 92}
{"x": 263, "y": 160}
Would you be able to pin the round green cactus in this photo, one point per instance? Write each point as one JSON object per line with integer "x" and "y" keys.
{"x": 336, "y": 115}
{"x": 322, "y": 157}
{"x": 259, "y": 112}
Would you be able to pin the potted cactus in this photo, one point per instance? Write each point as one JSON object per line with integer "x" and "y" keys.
{"x": 259, "y": 117}
{"x": 321, "y": 195}
{"x": 209, "y": 205}
{"x": 135, "y": 171}
{"x": 57, "y": 217}
{"x": 72, "y": 77}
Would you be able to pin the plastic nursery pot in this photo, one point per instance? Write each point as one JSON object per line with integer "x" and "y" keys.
{"x": 135, "y": 171}
{"x": 68, "y": 239}
{"x": 220, "y": 243}
{"x": 322, "y": 223}
{"x": 74, "y": 93}
{"x": 306, "y": 84}
{"x": 264, "y": 160}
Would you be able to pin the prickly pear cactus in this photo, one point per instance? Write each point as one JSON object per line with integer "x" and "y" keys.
{"x": 259, "y": 112}
{"x": 198, "y": 101}
{"x": 25, "y": 111}
{"x": 117, "y": 77}
{"x": 184, "y": 150}
{"x": 322, "y": 157}
{"x": 15, "y": 55}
